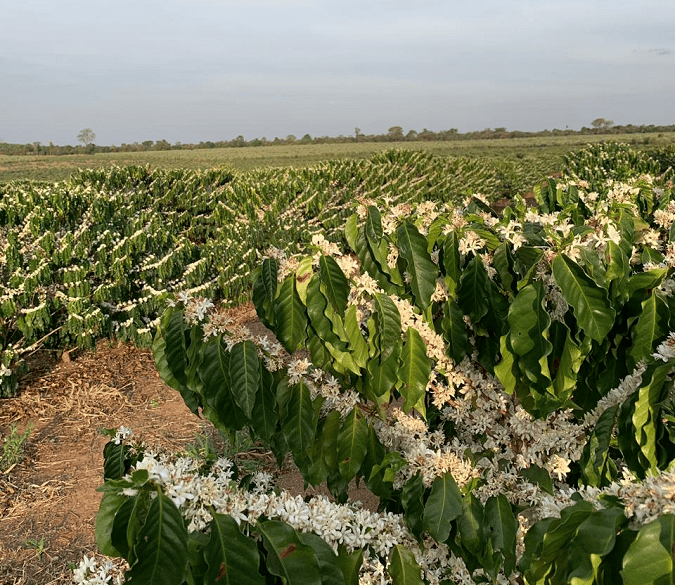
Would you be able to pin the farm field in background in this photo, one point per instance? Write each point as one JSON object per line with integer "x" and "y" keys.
{"x": 545, "y": 152}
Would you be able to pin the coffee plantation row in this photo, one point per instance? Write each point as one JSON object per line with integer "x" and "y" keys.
{"x": 95, "y": 256}
{"x": 502, "y": 383}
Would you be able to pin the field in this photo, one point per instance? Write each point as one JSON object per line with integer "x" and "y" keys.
{"x": 497, "y": 384}
{"x": 544, "y": 152}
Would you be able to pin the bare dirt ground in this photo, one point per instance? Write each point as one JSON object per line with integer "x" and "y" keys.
{"x": 48, "y": 501}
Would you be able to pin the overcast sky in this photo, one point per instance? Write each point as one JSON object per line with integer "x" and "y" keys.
{"x": 198, "y": 70}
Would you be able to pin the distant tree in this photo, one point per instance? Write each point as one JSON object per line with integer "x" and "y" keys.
{"x": 306, "y": 139}
{"x": 86, "y": 136}
{"x": 411, "y": 135}
{"x": 147, "y": 144}
{"x": 602, "y": 123}
{"x": 395, "y": 133}
{"x": 357, "y": 133}
{"x": 290, "y": 138}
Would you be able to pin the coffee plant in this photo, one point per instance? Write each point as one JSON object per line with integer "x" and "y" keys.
{"x": 502, "y": 384}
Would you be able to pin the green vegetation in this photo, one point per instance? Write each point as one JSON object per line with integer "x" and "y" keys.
{"x": 543, "y": 151}
{"x": 98, "y": 254}
{"x": 502, "y": 383}
{"x": 13, "y": 446}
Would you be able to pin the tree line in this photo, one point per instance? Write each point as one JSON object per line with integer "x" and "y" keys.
{"x": 394, "y": 134}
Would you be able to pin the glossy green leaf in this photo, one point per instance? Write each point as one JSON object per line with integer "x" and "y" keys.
{"x": 373, "y": 225}
{"x": 288, "y": 556}
{"x": 415, "y": 370}
{"x": 350, "y": 565}
{"x": 388, "y": 325}
{"x": 231, "y": 556}
{"x": 501, "y": 526}
{"x": 650, "y": 328}
{"x": 649, "y": 560}
{"x": 352, "y": 444}
{"x": 443, "y": 505}
{"x": 597, "y": 468}
{"x": 264, "y": 416}
{"x": 403, "y": 567}
{"x": 291, "y": 319}
{"x": 452, "y": 262}
{"x": 588, "y": 300}
{"x": 455, "y": 332}
{"x": 470, "y": 524}
{"x": 244, "y": 375}
{"x": 331, "y": 572}
{"x": 110, "y": 504}
{"x": 214, "y": 372}
{"x": 268, "y": 275}
{"x": 473, "y": 284}
{"x": 412, "y": 499}
{"x": 357, "y": 344}
{"x": 299, "y": 426}
{"x": 335, "y": 283}
{"x": 161, "y": 546}
{"x": 423, "y": 272}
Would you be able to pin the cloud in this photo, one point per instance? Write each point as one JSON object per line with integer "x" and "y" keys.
{"x": 660, "y": 51}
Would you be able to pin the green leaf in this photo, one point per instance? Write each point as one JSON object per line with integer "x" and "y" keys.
{"x": 423, "y": 272}
{"x": 170, "y": 355}
{"x": 299, "y": 426}
{"x": 244, "y": 375}
{"x": 443, "y": 505}
{"x": 597, "y": 468}
{"x": 357, "y": 344}
{"x": 352, "y": 230}
{"x": 589, "y": 301}
{"x": 415, "y": 371}
{"x": 452, "y": 262}
{"x": 383, "y": 375}
{"x": 231, "y": 556}
{"x": 291, "y": 320}
{"x": 650, "y": 328}
{"x": 412, "y": 499}
{"x": 373, "y": 226}
{"x": 110, "y": 504}
{"x": 352, "y": 444}
{"x": 649, "y": 559}
{"x": 472, "y": 292}
{"x": 268, "y": 275}
{"x": 114, "y": 460}
{"x": 264, "y": 416}
{"x": 470, "y": 524}
{"x": 455, "y": 331}
{"x": 501, "y": 527}
{"x": 288, "y": 556}
{"x": 646, "y": 415}
{"x": 403, "y": 567}
{"x": 529, "y": 322}
{"x": 350, "y": 565}
{"x": 504, "y": 263}
{"x": 335, "y": 283}
{"x": 331, "y": 572}
{"x": 214, "y": 371}
{"x": 388, "y": 325}
{"x": 539, "y": 476}
{"x": 161, "y": 546}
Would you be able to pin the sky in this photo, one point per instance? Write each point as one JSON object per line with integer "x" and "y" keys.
{"x": 199, "y": 70}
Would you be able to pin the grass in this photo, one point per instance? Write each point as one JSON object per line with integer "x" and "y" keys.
{"x": 52, "y": 168}
{"x": 13, "y": 447}
{"x": 237, "y": 446}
